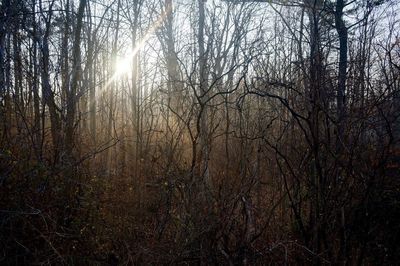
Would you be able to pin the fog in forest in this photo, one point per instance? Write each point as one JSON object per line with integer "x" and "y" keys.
{"x": 199, "y": 132}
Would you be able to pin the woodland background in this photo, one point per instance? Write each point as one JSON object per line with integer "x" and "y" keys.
{"x": 141, "y": 132}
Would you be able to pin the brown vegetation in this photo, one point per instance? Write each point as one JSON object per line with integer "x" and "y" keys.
{"x": 142, "y": 132}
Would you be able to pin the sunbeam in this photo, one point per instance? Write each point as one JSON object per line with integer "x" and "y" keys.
{"x": 125, "y": 65}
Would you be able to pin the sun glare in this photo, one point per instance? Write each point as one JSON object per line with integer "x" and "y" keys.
{"x": 123, "y": 66}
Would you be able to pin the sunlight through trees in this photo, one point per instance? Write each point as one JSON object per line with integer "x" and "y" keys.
{"x": 201, "y": 132}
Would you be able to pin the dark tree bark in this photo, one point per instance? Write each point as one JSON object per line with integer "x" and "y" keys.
{"x": 204, "y": 171}
{"x": 47, "y": 92}
{"x": 341, "y": 87}
{"x": 76, "y": 76}
{"x": 4, "y": 18}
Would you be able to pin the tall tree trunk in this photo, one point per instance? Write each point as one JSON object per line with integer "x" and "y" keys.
{"x": 172, "y": 61}
{"x": 341, "y": 87}
{"x": 76, "y": 75}
{"x": 65, "y": 77}
{"x": 203, "y": 80}
{"x": 91, "y": 68}
{"x": 35, "y": 87}
{"x": 134, "y": 95}
{"x": 18, "y": 89}
{"x": 4, "y": 10}
{"x": 341, "y": 108}
{"x": 112, "y": 88}
{"x": 316, "y": 82}
{"x": 47, "y": 92}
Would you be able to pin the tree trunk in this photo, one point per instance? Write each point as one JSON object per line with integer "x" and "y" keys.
{"x": 341, "y": 87}
{"x": 48, "y": 93}
{"x": 341, "y": 109}
{"x": 76, "y": 75}
{"x": 4, "y": 10}
{"x": 203, "y": 130}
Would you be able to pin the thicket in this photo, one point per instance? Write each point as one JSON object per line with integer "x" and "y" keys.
{"x": 199, "y": 132}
